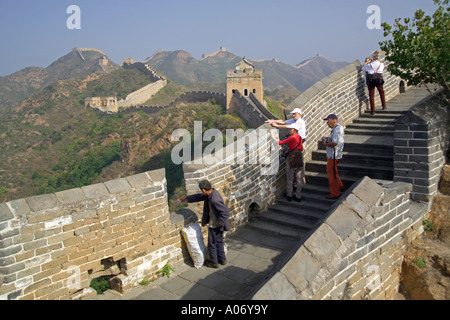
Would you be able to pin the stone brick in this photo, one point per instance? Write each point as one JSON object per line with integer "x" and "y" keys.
{"x": 139, "y": 180}
{"x": 70, "y": 196}
{"x": 36, "y": 285}
{"x": 278, "y": 286}
{"x": 95, "y": 191}
{"x": 42, "y": 202}
{"x": 343, "y": 221}
{"x": 19, "y": 207}
{"x": 47, "y": 290}
{"x": 301, "y": 269}
{"x": 118, "y": 186}
{"x": 368, "y": 191}
{"x": 322, "y": 243}
{"x": 60, "y": 237}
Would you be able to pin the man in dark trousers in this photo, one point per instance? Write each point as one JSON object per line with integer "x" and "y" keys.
{"x": 216, "y": 214}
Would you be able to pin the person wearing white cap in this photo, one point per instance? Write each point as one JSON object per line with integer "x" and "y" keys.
{"x": 294, "y": 162}
{"x": 296, "y": 118}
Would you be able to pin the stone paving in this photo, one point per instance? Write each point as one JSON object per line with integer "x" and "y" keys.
{"x": 252, "y": 258}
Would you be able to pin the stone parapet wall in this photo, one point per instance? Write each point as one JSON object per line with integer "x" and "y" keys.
{"x": 88, "y": 49}
{"x": 245, "y": 187}
{"x": 357, "y": 252}
{"x": 249, "y": 111}
{"x": 145, "y": 93}
{"x": 343, "y": 93}
{"x": 142, "y": 95}
{"x": 200, "y": 96}
{"x": 53, "y": 245}
{"x": 187, "y": 97}
{"x": 145, "y": 68}
{"x": 421, "y": 144}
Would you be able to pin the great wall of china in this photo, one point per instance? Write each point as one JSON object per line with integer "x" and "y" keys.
{"x": 52, "y": 245}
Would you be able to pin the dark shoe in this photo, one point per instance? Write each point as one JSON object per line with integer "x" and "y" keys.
{"x": 372, "y": 113}
{"x": 223, "y": 262}
{"x": 209, "y": 264}
{"x": 297, "y": 199}
{"x": 331, "y": 197}
{"x": 289, "y": 199}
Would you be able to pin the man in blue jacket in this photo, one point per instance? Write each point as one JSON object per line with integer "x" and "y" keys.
{"x": 216, "y": 214}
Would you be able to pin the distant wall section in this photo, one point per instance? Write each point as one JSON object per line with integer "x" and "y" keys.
{"x": 145, "y": 93}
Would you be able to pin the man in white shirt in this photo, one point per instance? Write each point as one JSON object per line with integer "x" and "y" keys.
{"x": 374, "y": 66}
{"x": 296, "y": 118}
{"x": 335, "y": 146}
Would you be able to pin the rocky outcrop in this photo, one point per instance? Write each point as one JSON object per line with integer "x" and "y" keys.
{"x": 425, "y": 271}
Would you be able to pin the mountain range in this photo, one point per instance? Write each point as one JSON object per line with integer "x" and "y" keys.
{"x": 179, "y": 66}
{"x": 51, "y": 142}
{"x": 19, "y": 85}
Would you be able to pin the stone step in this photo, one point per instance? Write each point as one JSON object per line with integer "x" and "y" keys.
{"x": 287, "y": 220}
{"x": 367, "y": 126}
{"x": 396, "y": 110}
{"x": 316, "y": 197}
{"x": 365, "y": 159}
{"x": 369, "y": 131}
{"x": 376, "y": 145}
{"x": 377, "y": 115}
{"x": 353, "y": 170}
{"x": 319, "y": 191}
{"x": 297, "y": 210}
{"x": 321, "y": 178}
{"x": 373, "y": 120}
{"x": 278, "y": 230}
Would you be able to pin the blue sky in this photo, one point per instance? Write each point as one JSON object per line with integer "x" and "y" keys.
{"x": 34, "y": 33}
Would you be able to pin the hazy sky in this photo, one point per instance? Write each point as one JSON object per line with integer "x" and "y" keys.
{"x": 35, "y": 32}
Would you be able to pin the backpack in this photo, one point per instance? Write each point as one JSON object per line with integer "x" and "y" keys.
{"x": 375, "y": 79}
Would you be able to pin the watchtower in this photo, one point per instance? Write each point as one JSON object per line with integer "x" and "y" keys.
{"x": 245, "y": 79}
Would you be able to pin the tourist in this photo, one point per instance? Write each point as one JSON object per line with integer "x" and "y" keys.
{"x": 374, "y": 79}
{"x": 296, "y": 118}
{"x": 216, "y": 214}
{"x": 335, "y": 146}
{"x": 294, "y": 162}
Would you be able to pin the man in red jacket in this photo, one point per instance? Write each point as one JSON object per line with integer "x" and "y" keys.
{"x": 294, "y": 162}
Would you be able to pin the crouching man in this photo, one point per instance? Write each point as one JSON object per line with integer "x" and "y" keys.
{"x": 216, "y": 214}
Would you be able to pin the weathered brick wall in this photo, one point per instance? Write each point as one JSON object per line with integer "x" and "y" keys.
{"x": 421, "y": 143}
{"x": 343, "y": 93}
{"x": 252, "y": 185}
{"x": 145, "y": 93}
{"x": 187, "y": 97}
{"x": 52, "y": 245}
{"x": 200, "y": 96}
{"x": 357, "y": 252}
{"x": 248, "y": 111}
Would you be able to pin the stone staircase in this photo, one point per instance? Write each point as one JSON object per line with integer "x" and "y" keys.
{"x": 262, "y": 247}
{"x": 368, "y": 151}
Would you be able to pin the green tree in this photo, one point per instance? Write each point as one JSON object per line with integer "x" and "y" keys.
{"x": 420, "y": 47}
